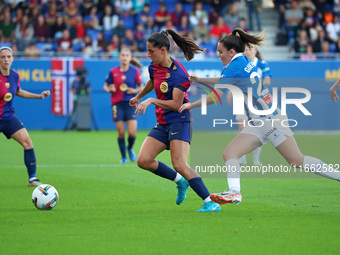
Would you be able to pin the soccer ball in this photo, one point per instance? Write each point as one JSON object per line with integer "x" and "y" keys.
{"x": 45, "y": 197}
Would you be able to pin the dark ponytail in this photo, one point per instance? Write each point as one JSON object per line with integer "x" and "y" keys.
{"x": 187, "y": 45}
{"x": 238, "y": 39}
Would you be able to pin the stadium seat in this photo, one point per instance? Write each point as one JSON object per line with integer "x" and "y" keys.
{"x": 93, "y": 33}
{"x": 44, "y": 46}
{"x": 107, "y": 35}
{"x": 129, "y": 22}
{"x": 188, "y": 8}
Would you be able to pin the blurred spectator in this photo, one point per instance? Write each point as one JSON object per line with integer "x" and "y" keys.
{"x": 149, "y": 28}
{"x": 309, "y": 17}
{"x": 18, "y": 15}
{"x": 130, "y": 41}
{"x": 242, "y": 24}
{"x": 31, "y": 51}
{"x": 114, "y": 46}
{"x": 231, "y": 19}
{"x": 204, "y": 43}
{"x": 144, "y": 15}
{"x": 123, "y": 7}
{"x": 138, "y": 5}
{"x": 91, "y": 21}
{"x": 317, "y": 44}
{"x": 200, "y": 31}
{"x": 337, "y": 46}
{"x": 102, "y": 3}
{"x": 51, "y": 14}
{"x": 308, "y": 56}
{"x": 333, "y": 29}
{"x": 85, "y": 7}
{"x": 161, "y": 16}
{"x": 7, "y": 28}
{"x": 109, "y": 20}
{"x": 71, "y": 12}
{"x": 336, "y": 7}
{"x": 140, "y": 37}
{"x": 99, "y": 45}
{"x": 87, "y": 46}
{"x": 58, "y": 28}
{"x": 218, "y": 30}
{"x": 119, "y": 29}
{"x": 301, "y": 42}
{"x": 65, "y": 43}
{"x": 24, "y": 33}
{"x": 327, "y": 17}
{"x": 293, "y": 18}
{"x": 306, "y": 4}
{"x": 325, "y": 54}
{"x": 184, "y": 28}
{"x": 79, "y": 27}
{"x": 34, "y": 13}
{"x": 253, "y": 11}
{"x": 41, "y": 30}
{"x": 177, "y": 14}
{"x": 198, "y": 13}
{"x": 213, "y": 15}
{"x": 313, "y": 31}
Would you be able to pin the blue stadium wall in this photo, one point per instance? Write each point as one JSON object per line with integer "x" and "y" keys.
{"x": 317, "y": 77}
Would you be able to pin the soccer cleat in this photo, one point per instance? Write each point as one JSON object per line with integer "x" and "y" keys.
{"x": 123, "y": 161}
{"x": 182, "y": 186}
{"x": 34, "y": 183}
{"x": 210, "y": 206}
{"x": 256, "y": 162}
{"x": 226, "y": 197}
{"x": 132, "y": 155}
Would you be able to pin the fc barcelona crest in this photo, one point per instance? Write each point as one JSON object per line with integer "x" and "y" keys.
{"x": 7, "y": 85}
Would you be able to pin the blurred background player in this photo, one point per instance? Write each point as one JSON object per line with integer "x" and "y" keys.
{"x": 265, "y": 74}
{"x": 10, "y": 125}
{"x": 124, "y": 82}
{"x": 173, "y": 130}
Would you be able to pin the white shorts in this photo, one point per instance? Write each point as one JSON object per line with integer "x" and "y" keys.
{"x": 265, "y": 131}
{"x": 241, "y": 117}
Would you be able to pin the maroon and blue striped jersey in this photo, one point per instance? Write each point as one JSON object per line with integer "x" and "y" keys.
{"x": 9, "y": 86}
{"x": 165, "y": 81}
{"x": 123, "y": 80}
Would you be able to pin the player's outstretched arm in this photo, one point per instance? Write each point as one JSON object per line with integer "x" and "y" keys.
{"x": 25, "y": 94}
{"x": 146, "y": 90}
{"x": 332, "y": 91}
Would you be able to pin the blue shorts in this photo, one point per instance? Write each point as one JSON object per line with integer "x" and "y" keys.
{"x": 10, "y": 127}
{"x": 122, "y": 111}
{"x": 172, "y": 131}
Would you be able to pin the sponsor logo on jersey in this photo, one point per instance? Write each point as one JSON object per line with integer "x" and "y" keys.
{"x": 8, "y": 97}
{"x": 7, "y": 85}
{"x": 123, "y": 77}
{"x": 123, "y": 87}
{"x": 164, "y": 87}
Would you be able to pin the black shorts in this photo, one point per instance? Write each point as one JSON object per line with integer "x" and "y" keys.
{"x": 172, "y": 131}
{"x": 122, "y": 111}
{"x": 10, "y": 127}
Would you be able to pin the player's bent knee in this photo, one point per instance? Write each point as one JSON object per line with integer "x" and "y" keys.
{"x": 144, "y": 163}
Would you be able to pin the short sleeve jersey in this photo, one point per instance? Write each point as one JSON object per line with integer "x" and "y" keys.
{"x": 165, "y": 81}
{"x": 9, "y": 85}
{"x": 122, "y": 81}
{"x": 263, "y": 68}
{"x": 242, "y": 73}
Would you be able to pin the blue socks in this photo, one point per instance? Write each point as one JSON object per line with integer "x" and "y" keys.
{"x": 31, "y": 163}
{"x": 131, "y": 141}
{"x": 166, "y": 172}
{"x": 122, "y": 148}
{"x": 199, "y": 187}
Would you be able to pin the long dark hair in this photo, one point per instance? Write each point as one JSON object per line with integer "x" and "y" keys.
{"x": 187, "y": 45}
{"x": 238, "y": 39}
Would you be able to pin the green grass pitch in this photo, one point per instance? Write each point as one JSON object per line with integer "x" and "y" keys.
{"x": 108, "y": 208}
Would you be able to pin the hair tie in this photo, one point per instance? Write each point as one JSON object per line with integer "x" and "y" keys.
{"x": 165, "y": 33}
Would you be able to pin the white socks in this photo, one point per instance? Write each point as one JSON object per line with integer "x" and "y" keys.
{"x": 178, "y": 177}
{"x": 256, "y": 154}
{"x": 320, "y": 168}
{"x": 233, "y": 174}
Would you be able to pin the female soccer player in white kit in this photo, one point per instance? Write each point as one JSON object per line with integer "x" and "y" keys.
{"x": 241, "y": 72}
